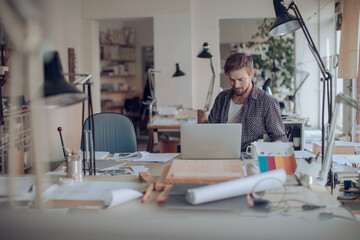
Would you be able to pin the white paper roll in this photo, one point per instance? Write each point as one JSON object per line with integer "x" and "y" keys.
{"x": 255, "y": 183}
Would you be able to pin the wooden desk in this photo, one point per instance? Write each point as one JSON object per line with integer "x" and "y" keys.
{"x": 155, "y": 128}
{"x": 149, "y": 220}
{"x": 168, "y": 124}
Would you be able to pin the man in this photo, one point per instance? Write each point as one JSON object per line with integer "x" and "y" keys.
{"x": 245, "y": 103}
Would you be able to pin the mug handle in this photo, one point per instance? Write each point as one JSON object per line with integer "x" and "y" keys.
{"x": 248, "y": 149}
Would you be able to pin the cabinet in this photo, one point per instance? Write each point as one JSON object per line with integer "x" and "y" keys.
{"x": 21, "y": 119}
{"x": 117, "y": 75}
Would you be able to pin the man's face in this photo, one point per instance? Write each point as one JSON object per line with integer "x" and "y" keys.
{"x": 240, "y": 81}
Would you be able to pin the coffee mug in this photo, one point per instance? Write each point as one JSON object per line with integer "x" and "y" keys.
{"x": 251, "y": 150}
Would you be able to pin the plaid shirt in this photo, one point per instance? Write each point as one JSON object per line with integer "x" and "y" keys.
{"x": 260, "y": 114}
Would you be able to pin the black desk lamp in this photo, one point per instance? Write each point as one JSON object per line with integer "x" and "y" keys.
{"x": 151, "y": 102}
{"x": 57, "y": 91}
{"x": 205, "y": 53}
{"x": 287, "y": 23}
{"x": 267, "y": 83}
{"x": 178, "y": 72}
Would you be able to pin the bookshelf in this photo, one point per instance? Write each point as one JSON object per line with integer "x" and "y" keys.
{"x": 21, "y": 119}
{"x": 117, "y": 75}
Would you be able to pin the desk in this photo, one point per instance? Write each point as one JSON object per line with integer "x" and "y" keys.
{"x": 168, "y": 124}
{"x": 136, "y": 220}
{"x": 172, "y": 124}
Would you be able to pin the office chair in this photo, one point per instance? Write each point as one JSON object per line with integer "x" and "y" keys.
{"x": 113, "y": 133}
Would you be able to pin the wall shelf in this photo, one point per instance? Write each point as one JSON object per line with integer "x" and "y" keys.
{"x": 21, "y": 119}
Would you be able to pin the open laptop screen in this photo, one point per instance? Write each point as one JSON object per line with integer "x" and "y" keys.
{"x": 210, "y": 141}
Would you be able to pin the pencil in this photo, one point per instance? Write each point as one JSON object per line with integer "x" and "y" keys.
{"x": 148, "y": 191}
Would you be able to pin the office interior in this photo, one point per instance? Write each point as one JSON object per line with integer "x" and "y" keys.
{"x": 161, "y": 34}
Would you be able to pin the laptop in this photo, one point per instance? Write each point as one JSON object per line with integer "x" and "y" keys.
{"x": 210, "y": 141}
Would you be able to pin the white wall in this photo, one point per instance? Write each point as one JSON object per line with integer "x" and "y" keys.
{"x": 309, "y": 97}
{"x": 172, "y": 43}
{"x": 63, "y": 28}
{"x": 205, "y": 28}
{"x": 238, "y": 29}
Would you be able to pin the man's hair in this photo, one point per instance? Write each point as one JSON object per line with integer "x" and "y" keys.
{"x": 236, "y": 61}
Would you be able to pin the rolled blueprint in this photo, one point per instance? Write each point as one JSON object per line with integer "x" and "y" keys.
{"x": 233, "y": 188}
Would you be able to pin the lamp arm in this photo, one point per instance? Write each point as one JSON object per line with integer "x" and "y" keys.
{"x": 302, "y": 82}
{"x": 212, "y": 67}
{"x": 340, "y": 98}
{"x": 348, "y": 100}
{"x": 209, "y": 94}
{"x": 83, "y": 78}
{"x": 310, "y": 41}
{"x": 326, "y": 163}
{"x": 211, "y": 87}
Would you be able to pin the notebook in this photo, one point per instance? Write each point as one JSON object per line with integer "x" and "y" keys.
{"x": 210, "y": 141}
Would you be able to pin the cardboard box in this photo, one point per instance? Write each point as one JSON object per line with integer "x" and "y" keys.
{"x": 340, "y": 147}
{"x": 276, "y": 155}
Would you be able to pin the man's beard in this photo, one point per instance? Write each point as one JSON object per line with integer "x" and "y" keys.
{"x": 239, "y": 93}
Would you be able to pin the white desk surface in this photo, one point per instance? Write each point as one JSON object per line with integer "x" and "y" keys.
{"x": 149, "y": 220}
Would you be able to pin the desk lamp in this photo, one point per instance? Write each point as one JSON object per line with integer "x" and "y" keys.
{"x": 178, "y": 72}
{"x": 152, "y": 100}
{"x": 57, "y": 91}
{"x": 341, "y": 98}
{"x": 287, "y": 23}
{"x": 205, "y": 53}
{"x": 22, "y": 23}
{"x": 88, "y": 135}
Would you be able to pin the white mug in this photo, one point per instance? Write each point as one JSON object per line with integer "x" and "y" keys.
{"x": 251, "y": 149}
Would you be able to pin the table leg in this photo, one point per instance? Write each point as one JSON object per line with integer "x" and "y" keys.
{"x": 150, "y": 142}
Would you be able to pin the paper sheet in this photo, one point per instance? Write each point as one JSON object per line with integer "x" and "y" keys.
{"x": 109, "y": 192}
{"x": 98, "y": 155}
{"x": 157, "y": 157}
{"x": 129, "y": 156}
{"x": 23, "y": 187}
{"x": 260, "y": 182}
{"x": 341, "y": 160}
{"x": 303, "y": 154}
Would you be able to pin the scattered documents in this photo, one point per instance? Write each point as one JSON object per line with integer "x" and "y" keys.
{"x": 23, "y": 188}
{"x": 129, "y": 156}
{"x": 341, "y": 160}
{"x": 157, "y": 157}
{"x": 112, "y": 193}
{"x": 120, "y": 169}
{"x": 304, "y": 154}
{"x": 98, "y": 155}
{"x": 144, "y": 156}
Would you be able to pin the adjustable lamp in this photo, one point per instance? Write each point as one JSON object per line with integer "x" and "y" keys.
{"x": 57, "y": 91}
{"x": 287, "y": 23}
{"x": 341, "y": 98}
{"x": 178, "y": 72}
{"x": 152, "y": 100}
{"x": 205, "y": 53}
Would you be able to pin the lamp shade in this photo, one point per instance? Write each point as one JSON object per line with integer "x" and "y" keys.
{"x": 178, "y": 72}
{"x": 57, "y": 91}
{"x": 205, "y": 51}
{"x": 284, "y": 22}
